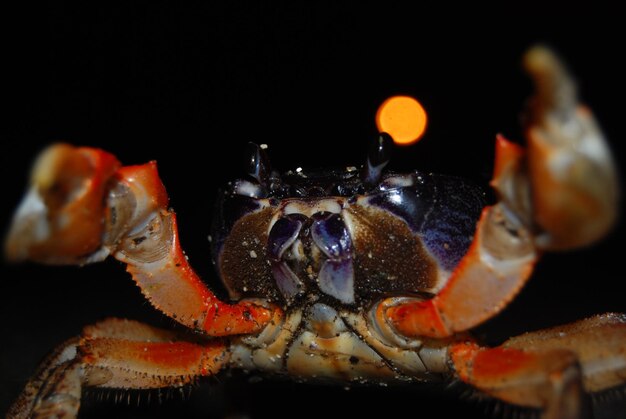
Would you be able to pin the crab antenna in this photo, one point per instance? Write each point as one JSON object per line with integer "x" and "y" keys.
{"x": 378, "y": 156}
{"x": 258, "y": 163}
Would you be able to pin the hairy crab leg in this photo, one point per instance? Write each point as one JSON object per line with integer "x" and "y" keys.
{"x": 115, "y": 353}
{"x": 82, "y": 207}
{"x": 560, "y": 193}
{"x": 550, "y": 380}
{"x": 549, "y": 369}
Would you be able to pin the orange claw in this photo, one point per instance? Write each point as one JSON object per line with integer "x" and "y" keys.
{"x": 508, "y": 156}
{"x": 61, "y": 219}
{"x": 82, "y": 207}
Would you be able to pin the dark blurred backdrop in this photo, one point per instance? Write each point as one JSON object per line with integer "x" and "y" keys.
{"x": 157, "y": 82}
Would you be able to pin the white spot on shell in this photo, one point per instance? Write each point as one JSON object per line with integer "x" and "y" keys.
{"x": 252, "y": 254}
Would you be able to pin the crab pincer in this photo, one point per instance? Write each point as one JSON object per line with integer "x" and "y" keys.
{"x": 559, "y": 193}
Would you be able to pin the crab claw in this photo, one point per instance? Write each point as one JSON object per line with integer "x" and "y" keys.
{"x": 571, "y": 188}
{"x": 61, "y": 218}
{"x": 576, "y": 200}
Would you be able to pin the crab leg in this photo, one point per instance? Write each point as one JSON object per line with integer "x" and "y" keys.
{"x": 82, "y": 207}
{"x": 549, "y": 369}
{"x": 156, "y": 261}
{"x": 115, "y": 353}
{"x": 496, "y": 266}
{"x": 550, "y": 381}
{"x": 561, "y": 193}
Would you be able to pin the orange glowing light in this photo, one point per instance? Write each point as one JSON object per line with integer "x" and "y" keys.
{"x": 403, "y": 118}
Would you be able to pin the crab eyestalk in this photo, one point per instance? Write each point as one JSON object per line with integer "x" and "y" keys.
{"x": 378, "y": 156}
{"x": 258, "y": 164}
{"x": 61, "y": 218}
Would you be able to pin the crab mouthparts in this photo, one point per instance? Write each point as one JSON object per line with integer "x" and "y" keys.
{"x": 316, "y": 249}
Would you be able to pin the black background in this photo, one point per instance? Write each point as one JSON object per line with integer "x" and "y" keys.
{"x": 153, "y": 82}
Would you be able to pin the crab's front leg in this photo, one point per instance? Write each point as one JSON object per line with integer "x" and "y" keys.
{"x": 561, "y": 192}
{"x": 82, "y": 206}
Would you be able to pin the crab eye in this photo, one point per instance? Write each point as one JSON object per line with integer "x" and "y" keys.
{"x": 257, "y": 163}
{"x": 380, "y": 150}
{"x": 378, "y": 156}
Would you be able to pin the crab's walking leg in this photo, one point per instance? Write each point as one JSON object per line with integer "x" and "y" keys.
{"x": 559, "y": 193}
{"x": 550, "y": 369}
{"x": 82, "y": 206}
{"x": 115, "y": 353}
{"x": 550, "y": 380}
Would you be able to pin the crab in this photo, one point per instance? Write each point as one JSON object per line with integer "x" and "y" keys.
{"x": 348, "y": 275}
